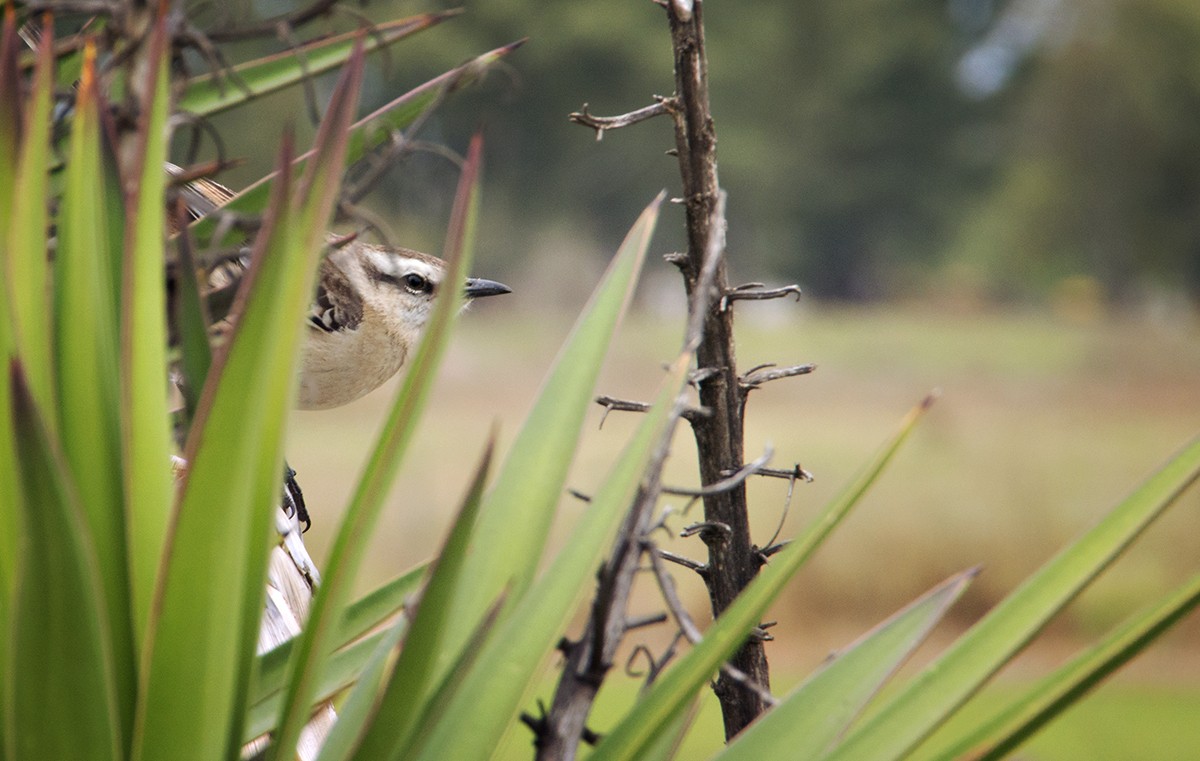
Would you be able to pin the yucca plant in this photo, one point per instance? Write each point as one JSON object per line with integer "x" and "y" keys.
{"x": 131, "y": 604}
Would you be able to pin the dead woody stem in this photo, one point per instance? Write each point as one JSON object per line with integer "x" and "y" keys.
{"x": 733, "y": 560}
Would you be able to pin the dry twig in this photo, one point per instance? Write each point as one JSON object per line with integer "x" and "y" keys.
{"x": 660, "y": 107}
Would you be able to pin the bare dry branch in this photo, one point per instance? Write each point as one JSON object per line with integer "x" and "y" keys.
{"x": 660, "y": 107}
{"x": 708, "y": 528}
{"x": 766, "y": 373}
{"x": 757, "y": 292}
{"x": 611, "y": 404}
{"x": 688, "y": 563}
{"x": 724, "y": 484}
{"x": 796, "y": 472}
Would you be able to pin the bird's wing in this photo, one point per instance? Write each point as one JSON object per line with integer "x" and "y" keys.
{"x": 337, "y": 306}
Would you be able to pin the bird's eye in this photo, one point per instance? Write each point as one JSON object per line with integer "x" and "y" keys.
{"x": 415, "y": 282}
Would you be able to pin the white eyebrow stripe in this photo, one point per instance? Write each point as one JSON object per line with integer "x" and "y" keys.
{"x": 398, "y": 266}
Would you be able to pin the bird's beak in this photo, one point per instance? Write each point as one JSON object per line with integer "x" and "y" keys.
{"x": 477, "y": 287}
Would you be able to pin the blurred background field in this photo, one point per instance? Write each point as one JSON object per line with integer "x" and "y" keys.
{"x": 1043, "y": 423}
{"x": 999, "y": 199}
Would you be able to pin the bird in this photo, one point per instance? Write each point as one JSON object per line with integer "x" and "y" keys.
{"x": 371, "y": 305}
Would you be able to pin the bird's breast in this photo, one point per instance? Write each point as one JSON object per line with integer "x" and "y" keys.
{"x": 342, "y": 366}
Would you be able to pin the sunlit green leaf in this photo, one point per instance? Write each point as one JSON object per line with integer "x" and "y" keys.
{"x": 439, "y": 702}
{"x": 213, "y": 93}
{"x": 362, "y": 616}
{"x": 506, "y": 668}
{"x": 350, "y": 546}
{"x": 146, "y": 436}
{"x": 363, "y": 701}
{"x": 60, "y": 654}
{"x": 406, "y": 689}
{"x": 400, "y": 692}
{"x": 1008, "y": 728}
{"x": 817, "y": 712}
{"x": 914, "y": 712}
{"x": 85, "y": 322}
{"x": 342, "y": 669}
{"x": 26, "y": 268}
{"x": 375, "y": 607}
{"x": 10, "y": 122}
{"x": 520, "y": 507}
{"x": 210, "y": 595}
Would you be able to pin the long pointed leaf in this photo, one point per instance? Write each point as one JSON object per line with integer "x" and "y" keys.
{"x": 521, "y": 505}
{"x": 363, "y": 700}
{"x": 438, "y": 702}
{"x": 1023, "y": 717}
{"x": 342, "y": 670}
{"x": 209, "y": 598}
{"x": 211, "y": 525}
{"x": 211, "y": 94}
{"x": 405, "y": 703}
{"x": 60, "y": 654}
{"x": 928, "y": 700}
{"x": 358, "y": 524}
{"x": 414, "y": 668}
{"x": 10, "y": 127}
{"x": 506, "y": 670}
{"x": 88, "y": 390}
{"x": 820, "y": 709}
{"x": 319, "y": 189}
{"x": 27, "y": 272}
{"x": 674, "y": 688}
{"x": 146, "y": 438}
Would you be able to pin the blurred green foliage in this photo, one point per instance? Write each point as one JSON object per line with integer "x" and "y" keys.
{"x": 870, "y": 148}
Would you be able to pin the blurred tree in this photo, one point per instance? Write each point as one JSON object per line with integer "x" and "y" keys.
{"x": 865, "y": 156}
{"x": 1105, "y": 177}
{"x": 866, "y": 145}
{"x": 842, "y": 128}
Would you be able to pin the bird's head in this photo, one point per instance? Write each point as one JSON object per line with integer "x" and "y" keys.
{"x": 402, "y": 283}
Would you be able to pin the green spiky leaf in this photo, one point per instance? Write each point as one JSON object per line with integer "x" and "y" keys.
{"x": 213, "y": 93}
{"x": 817, "y": 712}
{"x": 912, "y": 714}
{"x": 58, "y": 613}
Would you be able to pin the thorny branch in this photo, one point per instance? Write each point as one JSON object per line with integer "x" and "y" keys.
{"x": 757, "y": 292}
{"x": 611, "y": 404}
{"x": 660, "y": 107}
{"x": 743, "y": 686}
{"x": 733, "y": 559}
{"x": 795, "y": 473}
{"x": 726, "y": 483}
{"x": 756, "y": 376}
{"x": 558, "y": 732}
